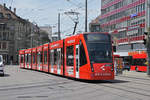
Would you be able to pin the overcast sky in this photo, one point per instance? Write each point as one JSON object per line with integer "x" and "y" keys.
{"x": 45, "y": 12}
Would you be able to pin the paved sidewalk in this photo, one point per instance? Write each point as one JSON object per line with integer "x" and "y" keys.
{"x": 135, "y": 74}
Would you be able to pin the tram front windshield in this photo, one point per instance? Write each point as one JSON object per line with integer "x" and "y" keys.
{"x": 99, "y": 48}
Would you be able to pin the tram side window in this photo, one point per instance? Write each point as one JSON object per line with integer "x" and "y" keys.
{"x": 70, "y": 56}
{"x": 45, "y": 57}
{"x": 83, "y": 57}
{"x": 40, "y": 57}
{"x": 51, "y": 57}
{"x": 21, "y": 59}
{"x": 61, "y": 56}
{"x": 55, "y": 56}
{"x": 58, "y": 57}
{"x": 34, "y": 58}
{"x": 27, "y": 59}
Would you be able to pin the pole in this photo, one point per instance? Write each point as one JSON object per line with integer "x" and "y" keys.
{"x": 147, "y": 6}
{"x": 85, "y": 15}
{"x": 59, "y": 26}
{"x": 75, "y": 28}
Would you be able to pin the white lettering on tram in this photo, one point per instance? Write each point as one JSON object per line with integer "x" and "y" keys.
{"x": 71, "y": 41}
{"x": 55, "y": 45}
{"x": 102, "y": 74}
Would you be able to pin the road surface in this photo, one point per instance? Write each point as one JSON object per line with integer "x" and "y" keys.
{"x": 22, "y": 84}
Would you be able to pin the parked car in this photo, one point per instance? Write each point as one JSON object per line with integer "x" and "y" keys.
{"x": 1, "y": 65}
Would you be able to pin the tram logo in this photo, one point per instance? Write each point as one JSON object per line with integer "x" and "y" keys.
{"x": 103, "y": 68}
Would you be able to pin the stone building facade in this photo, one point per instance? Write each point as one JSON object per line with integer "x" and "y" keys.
{"x": 125, "y": 20}
{"x": 15, "y": 34}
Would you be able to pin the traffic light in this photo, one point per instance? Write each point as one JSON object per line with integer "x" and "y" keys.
{"x": 145, "y": 38}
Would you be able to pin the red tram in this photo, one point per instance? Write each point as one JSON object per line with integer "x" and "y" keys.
{"x": 84, "y": 56}
{"x": 22, "y": 58}
{"x": 45, "y": 58}
{"x": 28, "y": 58}
{"x": 39, "y": 59}
{"x": 34, "y": 57}
{"x": 56, "y": 57}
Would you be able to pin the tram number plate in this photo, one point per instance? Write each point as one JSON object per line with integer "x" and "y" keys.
{"x": 102, "y": 74}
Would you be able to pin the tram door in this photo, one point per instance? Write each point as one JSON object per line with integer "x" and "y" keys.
{"x": 26, "y": 60}
{"x": 59, "y": 61}
{"x": 77, "y": 61}
{"x": 30, "y": 61}
{"x": 39, "y": 60}
{"x": 52, "y": 60}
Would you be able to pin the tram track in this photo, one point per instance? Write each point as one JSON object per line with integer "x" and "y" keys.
{"x": 31, "y": 85}
{"x": 126, "y": 90}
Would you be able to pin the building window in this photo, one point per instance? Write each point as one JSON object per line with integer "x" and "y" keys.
{"x": 4, "y": 45}
{"x": 1, "y": 15}
{"x": 8, "y": 16}
{"x": 0, "y": 45}
{"x": 1, "y": 36}
{"x": 138, "y": 46}
{"x": 126, "y": 47}
{"x": 4, "y": 35}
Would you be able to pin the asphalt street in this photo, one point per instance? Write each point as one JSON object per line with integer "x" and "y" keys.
{"x": 22, "y": 84}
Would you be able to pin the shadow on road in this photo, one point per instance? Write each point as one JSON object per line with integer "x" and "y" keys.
{"x": 6, "y": 75}
{"x": 102, "y": 81}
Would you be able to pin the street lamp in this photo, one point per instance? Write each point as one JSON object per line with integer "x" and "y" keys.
{"x": 59, "y": 26}
{"x": 85, "y": 15}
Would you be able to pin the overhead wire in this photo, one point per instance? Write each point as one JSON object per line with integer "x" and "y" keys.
{"x": 83, "y": 8}
{"x": 11, "y": 3}
{"x": 76, "y": 3}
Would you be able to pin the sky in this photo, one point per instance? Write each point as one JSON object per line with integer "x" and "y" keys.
{"x": 45, "y": 12}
